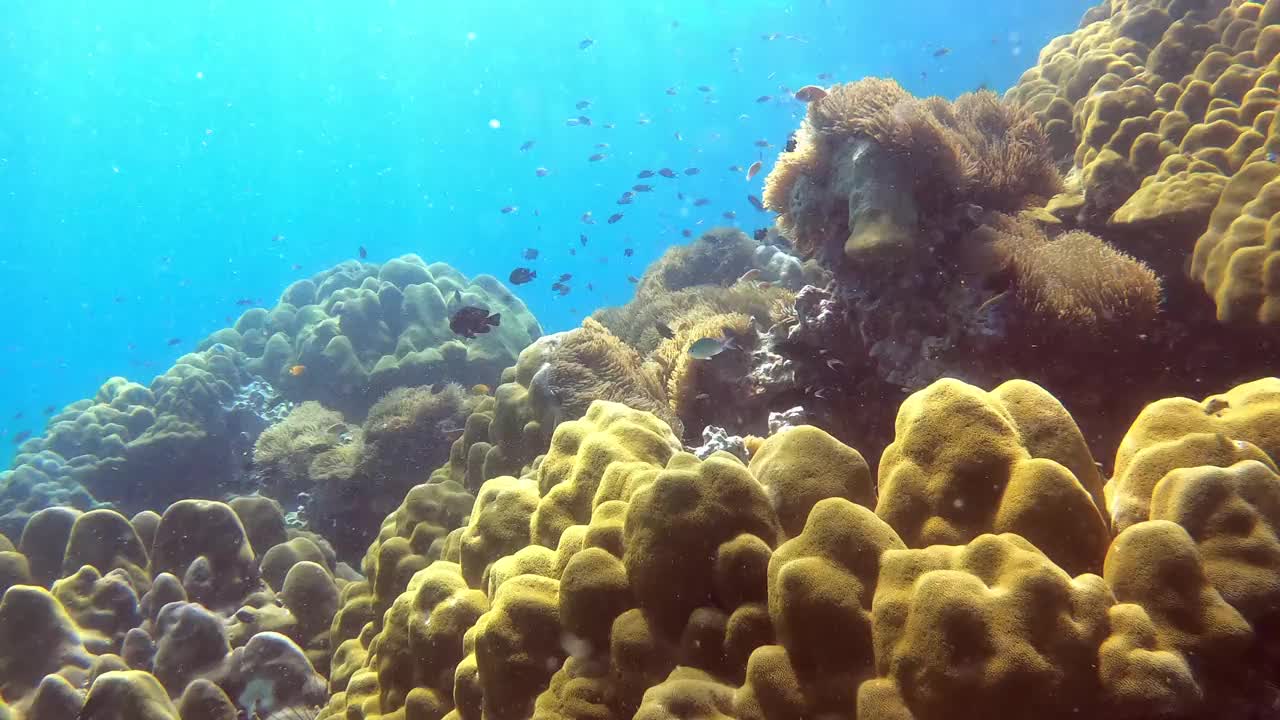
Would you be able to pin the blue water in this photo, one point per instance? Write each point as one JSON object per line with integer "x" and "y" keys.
{"x": 159, "y": 163}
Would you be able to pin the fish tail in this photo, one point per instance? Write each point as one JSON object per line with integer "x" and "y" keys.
{"x": 494, "y": 319}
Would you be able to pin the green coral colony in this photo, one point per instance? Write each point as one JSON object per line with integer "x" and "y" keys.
{"x": 340, "y": 508}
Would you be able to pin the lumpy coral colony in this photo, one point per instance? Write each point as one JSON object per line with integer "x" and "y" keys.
{"x": 950, "y": 287}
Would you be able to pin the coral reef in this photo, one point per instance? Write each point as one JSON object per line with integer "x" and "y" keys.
{"x": 704, "y": 278}
{"x": 346, "y": 337}
{"x": 1166, "y": 114}
{"x": 361, "y": 330}
{"x": 958, "y": 251}
{"x": 137, "y": 447}
{"x": 981, "y": 575}
{"x": 127, "y": 627}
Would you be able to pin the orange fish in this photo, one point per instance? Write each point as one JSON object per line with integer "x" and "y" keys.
{"x": 480, "y": 389}
{"x": 810, "y": 93}
{"x": 297, "y": 370}
{"x": 755, "y": 168}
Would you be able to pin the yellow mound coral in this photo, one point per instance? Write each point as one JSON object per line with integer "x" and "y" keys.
{"x": 1240, "y": 424}
{"x": 1167, "y": 111}
{"x": 623, "y": 578}
{"x": 965, "y": 462}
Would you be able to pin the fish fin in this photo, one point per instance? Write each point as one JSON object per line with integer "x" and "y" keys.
{"x": 494, "y": 319}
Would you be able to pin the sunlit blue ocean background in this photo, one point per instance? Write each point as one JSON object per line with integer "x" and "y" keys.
{"x": 161, "y": 161}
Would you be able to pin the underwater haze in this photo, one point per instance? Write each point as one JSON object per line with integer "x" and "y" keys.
{"x": 163, "y": 166}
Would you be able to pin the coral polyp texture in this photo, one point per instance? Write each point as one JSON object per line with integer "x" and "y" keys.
{"x": 1166, "y": 112}
{"x": 982, "y": 575}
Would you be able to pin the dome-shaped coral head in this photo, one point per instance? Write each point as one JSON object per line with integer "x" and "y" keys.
{"x": 871, "y": 158}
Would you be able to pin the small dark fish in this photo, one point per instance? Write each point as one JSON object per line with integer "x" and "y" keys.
{"x": 18, "y": 415}
{"x": 678, "y": 136}
{"x": 642, "y": 188}
{"x": 48, "y": 409}
{"x": 591, "y": 287}
{"x": 527, "y": 146}
{"x": 506, "y": 210}
{"x": 763, "y": 144}
{"x": 296, "y": 266}
{"x": 541, "y": 172}
{"x": 824, "y": 76}
{"x": 755, "y": 202}
{"x": 583, "y": 104}
{"x": 174, "y": 341}
{"x": 602, "y": 146}
{"x": 615, "y": 218}
{"x": 243, "y": 302}
{"x": 633, "y": 279}
{"x": 941, "y": 52}
{"x": 764, "y": 98}
{"x": 626, "y": 198}
{"x": 565, "y": 277}
{"x": 608, "y": 126}
{"x": 791, "y": 142}
{"x": 672, "y": 91}
{"x": 584, "y": 120}
{"x": 277, "y": 238}
{"x": 21, "y": 437}
{"x": 735, "y": 168}
{"x": 771, "y": 36}
{"x": 587, "y": 219}
{"x": 924, "y": 75}
{"x": 586, "y": 43}
{"x": 522, "y": 275}
{"x": 572, "y": 122}
{"x": 364, "y": 253}
{"x": 667, "y": 173}
{"x": 471, "y": 321}
{"x": 701, "y": 202}
{"x": 679, "y": 196}
{"x": 644, "y": 174}
{"x": 582, "y": 238}
{"x": 691, "y": 171}
{"x": 686, "y": 232}
{"x": 728, "y": 214}
{"x": 560, "y": 289}
{"x": 761, "y": 234}
{"x": 628, "y": 252}
{"x": 597, "y": 157}
{"x": 704, "y": 88}
{"x": 664, "y": 330}
{"x": 753, "y": 169}
{"x": 531, "y": 254}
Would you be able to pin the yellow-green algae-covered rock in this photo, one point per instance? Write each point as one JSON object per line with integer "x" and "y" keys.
{"x": 966, "y": 462}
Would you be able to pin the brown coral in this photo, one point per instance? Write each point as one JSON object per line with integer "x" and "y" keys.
{"x": 1078, "y": 283}
{"x": 978, "y": 150}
